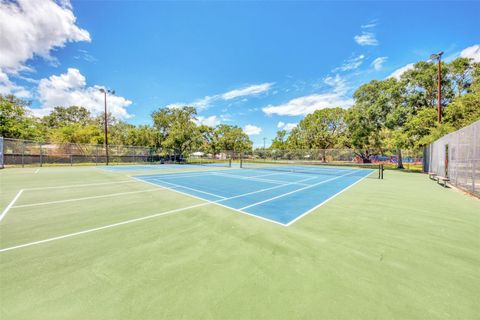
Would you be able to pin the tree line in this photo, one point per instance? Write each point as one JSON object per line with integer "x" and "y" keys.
{"x": 390, "y": 114}
{"x": 173, "y": 130}
{"x": 394, "y": 114}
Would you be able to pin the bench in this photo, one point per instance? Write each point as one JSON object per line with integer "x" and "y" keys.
{"x": 442, "y": 180}
{"x": 432, "y": 175}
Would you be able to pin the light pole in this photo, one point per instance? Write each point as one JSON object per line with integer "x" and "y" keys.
{"x": 438, "y": 57}
{"x": 106, "y": 119}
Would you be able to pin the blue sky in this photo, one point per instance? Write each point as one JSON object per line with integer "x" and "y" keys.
{"x": 259, "y": 65}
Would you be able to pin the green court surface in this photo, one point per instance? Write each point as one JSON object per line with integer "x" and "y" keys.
{"x": 118, "y": 248}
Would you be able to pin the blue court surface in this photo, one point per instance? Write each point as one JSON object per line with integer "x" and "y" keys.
{"x": 279, "y": 197}
{"x": 122, "y": 168}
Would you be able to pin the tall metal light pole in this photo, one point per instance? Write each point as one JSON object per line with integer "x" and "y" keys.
{"x": 106, "y": 120}
{"x": 438, "y": 57}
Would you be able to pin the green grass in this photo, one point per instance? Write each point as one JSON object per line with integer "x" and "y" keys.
{"x": 401, "y": 248}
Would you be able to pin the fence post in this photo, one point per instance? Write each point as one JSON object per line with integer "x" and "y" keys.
{"x": 96, "y": 155}
{"x": 1, "y": 153}
{"x": 23, "y": 154}
{"x": 41, "y": 155}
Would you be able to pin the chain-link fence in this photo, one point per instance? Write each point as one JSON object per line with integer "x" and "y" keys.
{"x": 457, "y": 157}
{"x": 410, "y": 158}
{"x": 25, "y": 152}
{"x": 18, "y": 152}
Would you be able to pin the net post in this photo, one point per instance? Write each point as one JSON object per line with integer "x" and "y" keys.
{"x": 241, "y": 163}
{"x": 381, "y": 171}
{"x": 229, "y": 163}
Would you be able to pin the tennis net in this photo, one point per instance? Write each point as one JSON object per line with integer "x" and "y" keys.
{"x": 209, "y": 162}
{"x": 321, "y": 168}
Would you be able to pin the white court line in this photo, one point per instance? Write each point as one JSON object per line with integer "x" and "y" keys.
{"x": 294, "y": 191}
{"x": 84, "y": 198}
{"x": 254, "y": 178}
{"x": 204, "y": 203}
{"x": 325, "y": 201}
{"x": 101, "y": 228}
{"x": 217, "y": 201}
{"x": 4, "y": 212}
{"x": 196, "y": 190}
{"x": 173, "y": 175}
{"x": 80, "y": 185}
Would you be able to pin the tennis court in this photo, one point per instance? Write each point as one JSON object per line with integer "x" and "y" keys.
{"x": 138, "y": 243}
{"x": 278, "y": 193}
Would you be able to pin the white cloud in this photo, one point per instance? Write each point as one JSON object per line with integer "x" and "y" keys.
{"x": 211, "y": 121}
{"x": 351, "y": 64}
{"x": 8, "y": 87}
{"x": 308, "y": 104}
{"x": 203, "y": 103}
{"x": 369, "y": 25}
{"x": 397, "y": 73}
{"x": 70, "y": 89}
{"x": 247, "y": 91}
{"x": 378, "y": 63}
{"x": 32, "y": 28}
{"x": 366, "y": 39}
{"x": 251, "y": 130}
{"x": 472, "y": 52}
{"x": 286, "y": 126}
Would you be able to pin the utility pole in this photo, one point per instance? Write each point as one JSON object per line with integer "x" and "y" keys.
{"x": 264, "y": 139}
{"x": 106, "y": 120}
{"x": 438, "y": 57}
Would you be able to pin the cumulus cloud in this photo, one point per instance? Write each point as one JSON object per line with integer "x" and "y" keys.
{"x": 8, "y": 87}
{"x": 286, "y": 126}
{"x": 351, "y": 64}
{"x": 366, "y": 39}
{"x": 337, "y": 97}
{"x": 377, "y": 64}
{"x": 71, "y": 88}
{"x": 472, "y": 52}
{"x": 397, "y": 73}
{"x": 32, "y": 28}
{"x": 251, "y": 130}
{"x": 211, "y": 121}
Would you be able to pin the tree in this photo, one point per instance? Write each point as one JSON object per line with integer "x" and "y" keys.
{"x": 177, "y": 129}
{"x": 383, "y": 105}
{"x": 463, "y": 110}
{"x": 460, "y": 71}
{"x": 279, "y": 142}
{"x": 16, "y": 121}
{"x": 76, "y": 133}
{"x": 322, "y": 129}
{"x": 63, "y": 116}
{"x": 232, "y": 138}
